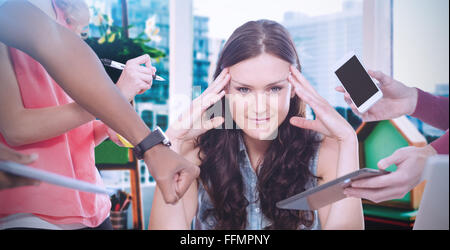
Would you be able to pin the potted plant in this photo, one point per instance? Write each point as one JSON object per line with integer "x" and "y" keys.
{"x": 115, "y": 44}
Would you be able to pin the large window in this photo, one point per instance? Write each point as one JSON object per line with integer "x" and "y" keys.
{"x": 421, "y": 49}
{"x": 146, "y": 19}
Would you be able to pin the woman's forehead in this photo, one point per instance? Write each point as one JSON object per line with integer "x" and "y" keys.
{"x": 264, "y": 69}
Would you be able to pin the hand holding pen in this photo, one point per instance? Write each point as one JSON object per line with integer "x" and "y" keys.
{"x": 121, "y": 66}
{"x": 135, "y": 78}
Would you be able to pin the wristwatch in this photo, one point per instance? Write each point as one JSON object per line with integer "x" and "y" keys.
{"x": 154, "y": 138}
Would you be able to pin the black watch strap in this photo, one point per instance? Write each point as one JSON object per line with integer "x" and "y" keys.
{"x": 154, "y": 138}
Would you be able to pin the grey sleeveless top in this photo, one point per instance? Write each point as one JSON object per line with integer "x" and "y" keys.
{"x": 255, "y": 218}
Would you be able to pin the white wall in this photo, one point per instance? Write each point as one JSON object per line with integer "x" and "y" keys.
{"x": 181, "y": 57}
{"x": 421, "y": 42}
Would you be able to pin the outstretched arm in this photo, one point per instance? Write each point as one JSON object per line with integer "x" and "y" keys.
{"x": 76, "y": 68}
{"x": 82, "y": 75}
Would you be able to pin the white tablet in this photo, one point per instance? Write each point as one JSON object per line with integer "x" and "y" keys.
{"x": 330, "y": 192}
{"x": 357, "y": 82}
{"x": 52, "y": 178}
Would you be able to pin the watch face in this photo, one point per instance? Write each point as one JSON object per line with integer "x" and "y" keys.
{"x": 166, "y": 140}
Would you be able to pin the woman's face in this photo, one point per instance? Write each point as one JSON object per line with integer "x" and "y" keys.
{"x": 259, "y": 95}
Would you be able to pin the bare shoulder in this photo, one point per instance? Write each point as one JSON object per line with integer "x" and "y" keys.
{"x": 328, "y": 158}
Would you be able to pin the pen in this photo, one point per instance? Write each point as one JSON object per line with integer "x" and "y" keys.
{"x": 125, "y": 204}
{"x": 121, "y": 66}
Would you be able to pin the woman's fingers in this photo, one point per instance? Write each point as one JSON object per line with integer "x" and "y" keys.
{"x": 194, "y": 118}
{"x": 198, "y": 108}
{"x": 303, "y": 81}
{"x": 304, "y": 123}
{"x": 305, "y": 95}
{"x": 219, "y": 83}
{"x": 214, "y": 89}
{"x": 213, "y": 123}
{"x": 211, "y": 99}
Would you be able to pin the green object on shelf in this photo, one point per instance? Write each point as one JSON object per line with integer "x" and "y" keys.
{"x": 390, "y": 213}
{"x": 382, "y": 142}
{"x": 109, "y": 153}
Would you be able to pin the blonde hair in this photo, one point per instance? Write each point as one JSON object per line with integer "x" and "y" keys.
{"x": 75, "y": 13}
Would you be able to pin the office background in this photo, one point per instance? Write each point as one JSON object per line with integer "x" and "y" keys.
{"x": 407, "y": 39}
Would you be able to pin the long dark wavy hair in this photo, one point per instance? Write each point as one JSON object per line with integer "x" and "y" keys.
{"x": 285, "y": 166}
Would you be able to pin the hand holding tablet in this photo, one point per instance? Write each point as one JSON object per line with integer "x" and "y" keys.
{"x": 327, "y": 193}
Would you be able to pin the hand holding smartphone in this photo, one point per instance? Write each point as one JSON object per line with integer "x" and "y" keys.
{"x": 357, "y": 82}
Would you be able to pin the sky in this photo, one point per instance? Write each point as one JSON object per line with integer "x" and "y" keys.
{"x": 226, "y": 16}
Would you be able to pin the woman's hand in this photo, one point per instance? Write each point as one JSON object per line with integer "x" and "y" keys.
{"x": 346, "y": 213}
{"x": 193, "y": 122}
{"x": 136, "y": 79}
{"x": 328, "y": 121}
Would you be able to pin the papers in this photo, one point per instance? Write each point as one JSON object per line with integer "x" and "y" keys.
{"x": 52, "y": 178}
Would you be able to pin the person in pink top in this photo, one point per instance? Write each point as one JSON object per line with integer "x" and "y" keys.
{"x": 12, "y": 181}
{"x": 38, "y": 117}
{"x": 399, "y": 100}
{"x": 88, "y": 84}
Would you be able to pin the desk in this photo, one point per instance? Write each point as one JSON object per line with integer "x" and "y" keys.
{"x": 379, "y": 217}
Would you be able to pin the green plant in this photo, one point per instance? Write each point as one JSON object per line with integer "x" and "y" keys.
{"x": 114, "y": 44}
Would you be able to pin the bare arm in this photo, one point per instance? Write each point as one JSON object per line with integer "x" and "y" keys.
{"x": 339, "y": 155}
{"x": 100, "y": 132}
{"x": 76, "y": 68}
{"x": 22, "y": 126}
{"x": 173, "y": 217}
{"x": 180, "y": 215}
{"x": 337, "y": 159}
{"x": 90, "y": 86}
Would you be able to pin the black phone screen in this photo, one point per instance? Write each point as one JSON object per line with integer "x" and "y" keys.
{"x": 356, "y": 81}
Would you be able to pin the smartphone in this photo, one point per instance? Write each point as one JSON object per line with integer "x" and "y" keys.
{"x": 325, "y": 194}
{"x": 357, "y": 82}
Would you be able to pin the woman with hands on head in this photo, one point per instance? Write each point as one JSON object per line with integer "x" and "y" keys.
{"x": 398, "y": 100}
{"x": 260, "y": 149}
